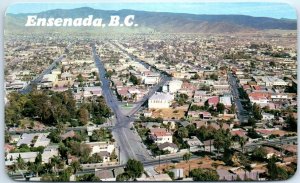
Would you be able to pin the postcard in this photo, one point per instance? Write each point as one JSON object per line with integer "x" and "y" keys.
{"x": 148, "y": 91}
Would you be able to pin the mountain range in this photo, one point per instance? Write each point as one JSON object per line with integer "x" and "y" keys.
{"x": 155, "y": 21}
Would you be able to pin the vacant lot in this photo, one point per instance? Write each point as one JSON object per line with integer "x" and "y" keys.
{"x": 204, "y": 162}
{"x": 171, "y": 113}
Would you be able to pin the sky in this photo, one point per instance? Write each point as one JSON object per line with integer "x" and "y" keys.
{"x": 266, "y": 9}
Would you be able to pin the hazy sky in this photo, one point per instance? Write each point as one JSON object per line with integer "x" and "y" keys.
{"x": 275, "y": 10}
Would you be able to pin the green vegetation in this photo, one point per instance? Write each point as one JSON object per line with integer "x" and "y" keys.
{"x": 52, "y": 108}
{"x": 204, "y": 175}
{"x": 133, "y": 170}
{"x": 134, "y": 79}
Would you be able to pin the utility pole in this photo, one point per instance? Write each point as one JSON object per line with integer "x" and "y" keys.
{"x": 189, "y": 161}
{"x": 120, "y": 155}
{"x": 159, "y": 160}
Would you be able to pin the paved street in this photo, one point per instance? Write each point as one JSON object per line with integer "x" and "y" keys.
{"x": 39, "y": 78}
{"x": 130, "y": 145}
{"x": 234, "y": 90}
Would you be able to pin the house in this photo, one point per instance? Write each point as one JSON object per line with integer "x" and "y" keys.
{"x": 160, "y": 135}
{"x": 232, "y": 174}
{"x": 34, "y": 139}
{"x": 105, "y": 156}
{"x": 69, "y": 134}
{"x": 97, "y": 147}
{"x": 92, "y": 91}
{"x": 193, "y": 114}
{"x": 11, "y": 158}
{"x": 239, "y": 132}
{"x": 209, "y": 145}
{"x": 167, "y": 146}
{"x": 213, "y": 101}
{"x": 226, "y": 100}
{"x": 272, "y": 152}
{"x": 105, "y": 175}
{"x": 8, "y": 148}
{"x": 267, "y": 116}
{"x": 193, "y": 142}
{"x": 205, "y": 115}
{"x": 174, "y": 86}
{"x": 200, "y": 96}
{"x": 49, "y": 152}
{"x": 160, "y": 100}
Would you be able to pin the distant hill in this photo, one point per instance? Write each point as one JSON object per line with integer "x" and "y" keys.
{"x": 156, "y": 21}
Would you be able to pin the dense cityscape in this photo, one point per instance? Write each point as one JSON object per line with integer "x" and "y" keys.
{"x": 151, "y": 106}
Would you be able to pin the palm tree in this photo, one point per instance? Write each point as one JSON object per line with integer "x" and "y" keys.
{"x": 55, "y": 160}
{"x": 187, "y": 157}
{"x": 20, "y": 163}
{"x": 75, "y": 165}
{"x": 242, "y": 142}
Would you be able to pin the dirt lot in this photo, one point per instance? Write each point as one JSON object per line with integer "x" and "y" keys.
{"x": 169, "y": 113}
{"x": 204, "y": 162}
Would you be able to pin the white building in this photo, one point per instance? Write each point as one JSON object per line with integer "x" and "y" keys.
{"x": 160, "y": 135}
{"x": 160, "y": 100}
{"x": 11, "y": 158}
{"x": 175, "y": 85}
{"x": 35, "y": 139}
{"x": 267, "y": 116}
{"x": 97, "y": 147}
{"x": 49, "y": 152}
{"x": 226, "y": 100}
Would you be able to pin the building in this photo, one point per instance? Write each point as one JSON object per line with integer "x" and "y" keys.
{"x": 174, "y": 86}
{"x": 193, "y": 142}
{"x": 167, "y": 146}
{"x": 226, "y": 100}
{"x": 34, "y": 139}
{"x": 97, "y": 147}
{"x": 49, "y": 152}
{"x": 160, "y": 100}
{"x": 11, "y": 158}
{"x": 160, "y": 135}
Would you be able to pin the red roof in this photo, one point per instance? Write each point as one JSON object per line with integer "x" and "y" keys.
{"x": 213, "y": 100}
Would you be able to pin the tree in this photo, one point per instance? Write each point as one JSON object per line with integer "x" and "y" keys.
{"x": 259, "y": 154}
{"x": 83, "y": 115}
{"x": 38, "y": 159}
{"x": 186, "y": 157}
{"x": 291, "y": 123}
{"x": 75, "y": 165}
{"x": 232, "y": 109}
{"x": 272, "y": 64}
{"x": 20, "y": 163}
{"x": 275, "y": 172}
{"x": 134, "y": 168}
{"x": 204, "y": 175}
{"x": 195, "y": 77}
{"x": 182, "y": 132}
{"x": 134, "y": 79}
{"x": 87, "y": 178}
{"x": 251, "y": 122}
{"x": 222, "y": 139}
{"x": 99, "y": 135}
{"x": 256, "y": 111}
{"x": 214, "y": 77}
{"x": 220, "y": 107}
{"x": 55, "y": 161}
{"x": 242, "y": 142}
{"x": 123, "y": 177}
